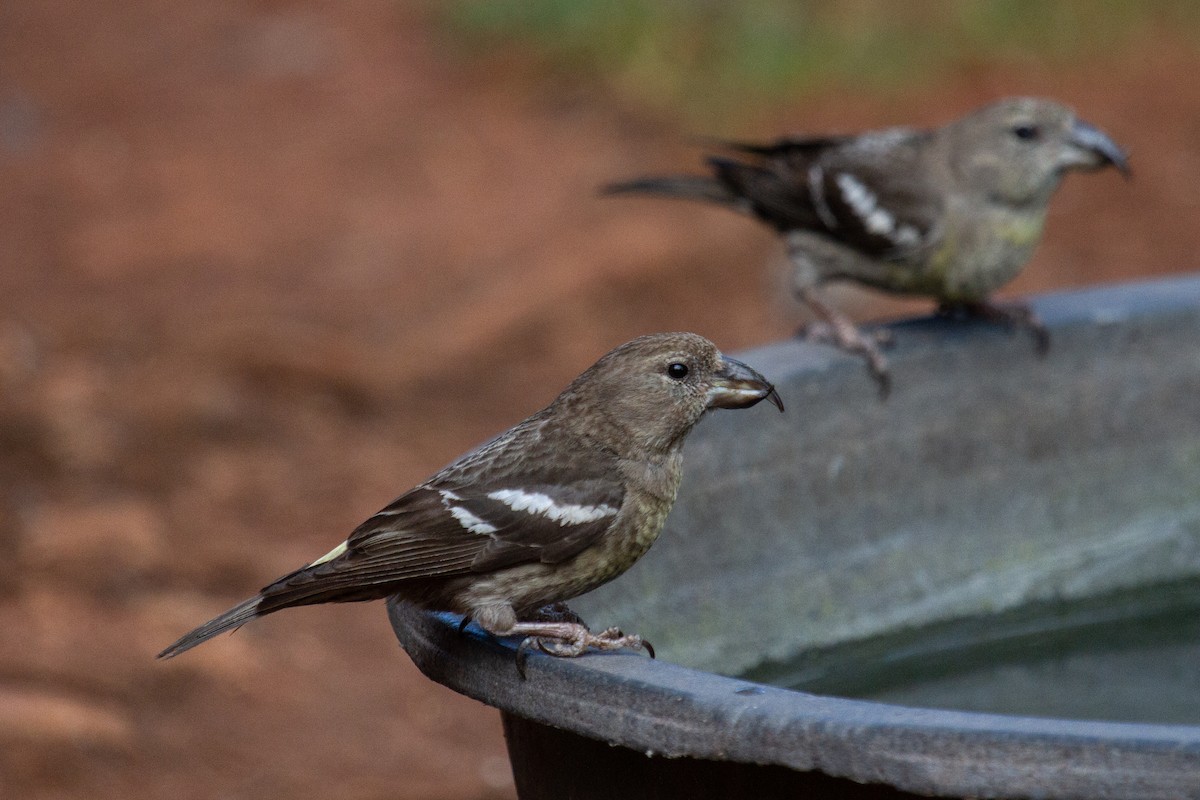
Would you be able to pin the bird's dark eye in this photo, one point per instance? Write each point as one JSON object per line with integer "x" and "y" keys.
{"x": 677, "y": 370}
{"x": 1026, "y": 132}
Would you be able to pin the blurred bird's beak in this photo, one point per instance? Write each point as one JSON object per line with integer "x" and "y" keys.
{"x": 736, "y": 385}
{"x": 1092, "y": 148}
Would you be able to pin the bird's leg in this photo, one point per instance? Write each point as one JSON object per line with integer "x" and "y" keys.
{"x": 839, "y": 330}
{"x": 1015, "y": 317}
{"x": 568, "y": 640}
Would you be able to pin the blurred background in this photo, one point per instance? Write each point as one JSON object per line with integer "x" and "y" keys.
{"x": 265, "y": 265}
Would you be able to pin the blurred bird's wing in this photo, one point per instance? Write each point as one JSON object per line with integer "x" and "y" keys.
{"x": 872, "y": 192}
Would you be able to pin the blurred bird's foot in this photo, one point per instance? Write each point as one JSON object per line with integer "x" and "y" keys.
{"x": 837, "y": 329}
{"x": 824, "y": 333}
{"x": 883, "y": 337}
{"x": 1014, "y": 317}
{"x": 570, "y": 640}
{"x": 843, "y": 334}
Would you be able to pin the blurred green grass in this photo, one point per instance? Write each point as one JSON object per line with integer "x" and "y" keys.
{"x": 704, "y": 57}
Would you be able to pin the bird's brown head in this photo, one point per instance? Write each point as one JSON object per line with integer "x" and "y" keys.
{"x": 1018, "y": 149}
{"x": 647, "y": 394}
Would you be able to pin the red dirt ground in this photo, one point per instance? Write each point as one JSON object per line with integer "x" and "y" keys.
{"x": 267, "y": 265}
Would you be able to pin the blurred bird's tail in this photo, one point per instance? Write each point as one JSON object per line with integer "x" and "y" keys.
{"x": 687, "y": 187}
{"x": 235, "y": 617}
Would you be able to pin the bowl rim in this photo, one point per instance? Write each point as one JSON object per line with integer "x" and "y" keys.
{"x": 660, "y": 708}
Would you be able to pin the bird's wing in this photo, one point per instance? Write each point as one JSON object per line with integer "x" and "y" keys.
{"x": 773, "y": 180}
{"x": 871, "y": 192}
{"x": 544, "y": 522}
{"x": 435, "y": 531}
{"x": 521, "y": 498}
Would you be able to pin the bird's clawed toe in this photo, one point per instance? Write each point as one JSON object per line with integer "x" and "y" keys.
{"x": 570, "y": 640}
{"x": 615, "y": 639}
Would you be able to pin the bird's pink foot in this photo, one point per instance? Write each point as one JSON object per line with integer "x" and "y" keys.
{"x": 570, "y": 640}
{"x": 608, "y": 639}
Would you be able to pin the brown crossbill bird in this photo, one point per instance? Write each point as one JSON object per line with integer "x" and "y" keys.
{"x": 951, "y": 213}
{"x": 561, "y": 503}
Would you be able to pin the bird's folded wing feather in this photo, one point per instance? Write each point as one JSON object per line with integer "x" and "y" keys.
{"x": 440, "y": 529}
{"x": 872, "y": 192}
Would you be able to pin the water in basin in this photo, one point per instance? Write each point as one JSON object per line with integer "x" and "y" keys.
{"x": 1132, "y": 656}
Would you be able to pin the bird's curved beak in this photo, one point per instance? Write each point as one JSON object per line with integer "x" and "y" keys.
{"x": 1091, "y": 148}
{"x": 736, "y": 385}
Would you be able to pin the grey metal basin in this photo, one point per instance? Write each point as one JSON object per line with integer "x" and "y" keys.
{"x": 990, "y": 480}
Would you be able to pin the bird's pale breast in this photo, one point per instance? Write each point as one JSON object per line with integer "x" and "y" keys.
{"x": 976, "y": 259}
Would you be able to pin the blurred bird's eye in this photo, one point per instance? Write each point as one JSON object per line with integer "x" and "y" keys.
{"x": 1026, "y": 132}
{"x": 677, "y": 370}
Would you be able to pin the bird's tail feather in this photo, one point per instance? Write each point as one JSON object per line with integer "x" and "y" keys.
{"x": 687, "y": 187}
{"x": 235, "y": 617}
{"x": 306, "y": 586}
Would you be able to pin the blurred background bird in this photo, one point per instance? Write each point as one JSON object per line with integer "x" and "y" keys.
{"x": 952, "y": 213}
{"x": 559, "y": 504}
